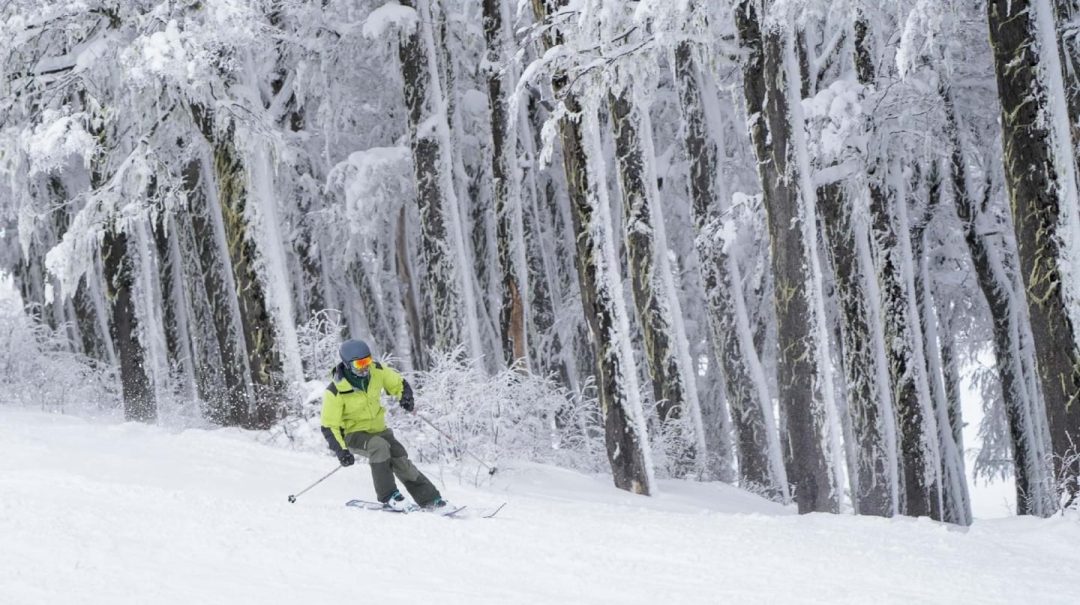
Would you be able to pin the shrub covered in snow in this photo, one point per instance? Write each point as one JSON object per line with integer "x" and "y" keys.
{"x": 506, "y": 416}
{"x": 38, "y": 369}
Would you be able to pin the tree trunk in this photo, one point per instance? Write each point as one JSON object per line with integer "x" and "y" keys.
{"x": 1036, "y": 179}
{"x": 436, "y": 251}
{"x": 209, "y": 235}
{"x": 93, "y": 323}
{"x": 1034, "y": 494}
{"x": 379, "y": 327}
{"x": 507, "y": 207}
{"x": 479, "y": 266}
{"x": 418, "y": 330}
{"x": 308, "y": 250}
{"x": 954, "y": 496}
{"x": 138, "y": 394}
{"x": 757, "y": 443}
{"x": 264, "y": 361}
{"x": 910, "y": 393}
{"x": 601, "y": 295}
{"x": 766, "y": 84}
{"x": 193, "y": 252}
{"x": 655, "y": 300}
{"x": 30, "y": 275}
{"x": 547, "y": 350}
{"x": 48, "y": 196}
{"x": 549, "y": 259}
{"x": 869, "y": 408}
{"x": 180, "y": 358}
{"x": 1068, "y": 12}
{"x": 920, "y": 496}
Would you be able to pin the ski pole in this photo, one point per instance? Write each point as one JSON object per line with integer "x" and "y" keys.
{"x": 491, "y": 469}
{"x": 292, "y": 497}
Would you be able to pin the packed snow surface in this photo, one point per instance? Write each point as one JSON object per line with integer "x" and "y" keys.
{"x": 95, "y": 511}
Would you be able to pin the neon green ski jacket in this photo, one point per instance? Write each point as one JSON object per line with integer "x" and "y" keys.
{"x": 347, "y": 409}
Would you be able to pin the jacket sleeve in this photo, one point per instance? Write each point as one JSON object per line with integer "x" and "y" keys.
{"x": 393, "y": 383}
{"x": 332, "y": 410}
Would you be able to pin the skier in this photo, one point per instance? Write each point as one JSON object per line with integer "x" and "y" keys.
{"x": 353, "y": 418}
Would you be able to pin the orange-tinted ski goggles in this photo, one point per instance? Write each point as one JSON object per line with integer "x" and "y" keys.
{"x": 362, "y": 364}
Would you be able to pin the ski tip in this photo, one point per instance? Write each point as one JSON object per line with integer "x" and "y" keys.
{"x": 449, "y": 513}
{"x": 494, "y": 512}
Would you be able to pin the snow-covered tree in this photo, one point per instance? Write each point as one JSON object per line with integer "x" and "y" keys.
{"x": 1040, "y": 174}
{"x": 598, "y": 271}
{"x": 772, "y": 89}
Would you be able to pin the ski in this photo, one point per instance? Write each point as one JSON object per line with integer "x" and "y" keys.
{"x": 450, "y": 513}
{"x": 412, "y": 508}
{"x": 369, "y": 505}
{"x": 494, "y": 512}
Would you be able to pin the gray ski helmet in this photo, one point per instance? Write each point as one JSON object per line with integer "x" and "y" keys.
{"x": 353, "y": 349}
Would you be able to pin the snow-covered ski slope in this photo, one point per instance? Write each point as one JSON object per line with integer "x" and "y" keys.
{"x": 102, "y": 512}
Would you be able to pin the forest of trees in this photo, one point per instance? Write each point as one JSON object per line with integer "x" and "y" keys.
{"x": 771, "y": 239}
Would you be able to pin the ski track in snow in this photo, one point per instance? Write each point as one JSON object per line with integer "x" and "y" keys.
{"x": 94, "y": 511}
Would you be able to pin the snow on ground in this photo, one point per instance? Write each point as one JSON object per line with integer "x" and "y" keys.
{"x": 104, "y": 512}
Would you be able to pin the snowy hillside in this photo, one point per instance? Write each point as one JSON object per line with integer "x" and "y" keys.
{"x": 100, "y": 512}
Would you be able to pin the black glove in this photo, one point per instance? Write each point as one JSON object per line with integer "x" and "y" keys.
{"x": 346, "y": 458}
{"x": 407, "y": 402}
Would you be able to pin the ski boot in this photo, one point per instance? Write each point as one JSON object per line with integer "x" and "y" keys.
{"x": 396, "y": 502}
{"x": 437, "y": 504}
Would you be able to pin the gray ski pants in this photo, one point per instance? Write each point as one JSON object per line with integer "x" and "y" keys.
{"x": 388, "y": 458}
